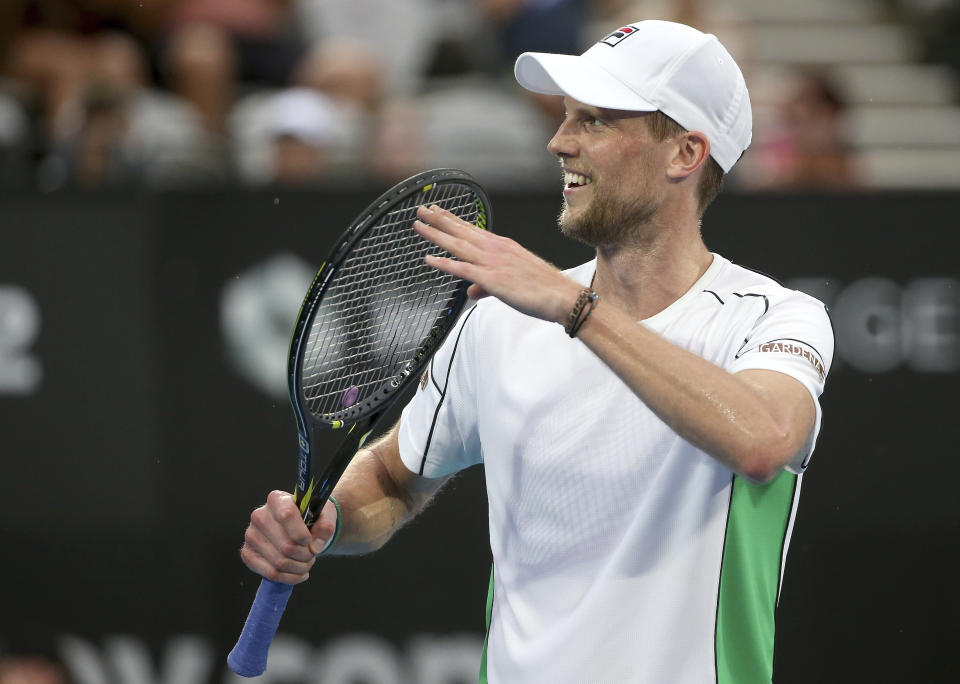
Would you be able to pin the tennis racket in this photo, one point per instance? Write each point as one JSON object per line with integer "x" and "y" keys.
{"x": 370, "y": 322}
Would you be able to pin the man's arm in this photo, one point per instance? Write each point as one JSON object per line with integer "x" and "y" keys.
{"x": 377, "y": 495}
{"x": 754, "y": 422}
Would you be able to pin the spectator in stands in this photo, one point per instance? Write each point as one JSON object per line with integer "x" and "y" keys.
{"x": 78, "y": 65}
{"x": 296, "y": 137}
{"x": 805, "y": 148}
{"x": 301, "y": 125}
{"x": 396, "y": 38}
{"x": 479, "y": 126}
{"x": 56, "y": 48}
{"x": 468, "y": 114}
{"x": 211, "y": 47}
{"x": 141, "y": 138}
{"x": 535, "y": 26}
{"x": 96, "y": 147}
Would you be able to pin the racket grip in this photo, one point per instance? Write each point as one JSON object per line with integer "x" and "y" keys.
{"x": 249, "y": 657}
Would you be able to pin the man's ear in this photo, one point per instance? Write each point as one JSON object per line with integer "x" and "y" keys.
{"x": 692, "y": 152}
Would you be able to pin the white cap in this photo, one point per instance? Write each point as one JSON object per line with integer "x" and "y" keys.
{"x": 304, "y": 114}
{"x": 655, "y": 65}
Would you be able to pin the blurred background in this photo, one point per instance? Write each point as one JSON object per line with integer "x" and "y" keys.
{"x": 171, "y": 174}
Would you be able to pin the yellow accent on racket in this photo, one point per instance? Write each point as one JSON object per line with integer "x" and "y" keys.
{"x": 305, "y": 501}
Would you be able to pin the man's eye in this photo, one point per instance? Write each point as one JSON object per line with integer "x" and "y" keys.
{"x": 594, "y": 123}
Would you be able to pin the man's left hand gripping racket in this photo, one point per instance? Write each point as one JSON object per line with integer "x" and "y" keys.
{"x": 369, "y": 324}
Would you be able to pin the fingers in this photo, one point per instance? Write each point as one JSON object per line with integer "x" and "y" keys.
{"x": 323, "y": 530}
{"x": 265, "y": 560}
{"x": 277, "y": 542}
{"x": 454, "y": 235}
{"x": 476, "y": 292}
{"x": 475, "y": 250}
{"x": 460, "y": 248}
{"x": 448, "y": 223}
{"x": 461, "y": 269}
{"x": 495, "y": 265}
{"x": 284, "y": 519}
{"x": 446, "y": 220}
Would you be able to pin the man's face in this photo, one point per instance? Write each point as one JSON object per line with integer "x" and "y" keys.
{"x": 610, "y": 161}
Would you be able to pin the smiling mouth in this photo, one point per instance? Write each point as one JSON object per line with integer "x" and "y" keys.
{"x": 575, "y": 180}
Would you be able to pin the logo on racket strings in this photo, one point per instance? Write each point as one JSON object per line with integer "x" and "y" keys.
{"x": 350, "y": 397}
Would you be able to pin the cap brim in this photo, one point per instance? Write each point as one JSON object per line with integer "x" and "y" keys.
{"x": 579, "y": 78}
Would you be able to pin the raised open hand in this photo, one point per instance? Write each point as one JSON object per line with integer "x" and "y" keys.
{"x": 497, "y": 266}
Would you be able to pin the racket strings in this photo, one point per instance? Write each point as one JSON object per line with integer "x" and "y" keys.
{"x": 367, "y": 354}
{"x": 382, "y": 307}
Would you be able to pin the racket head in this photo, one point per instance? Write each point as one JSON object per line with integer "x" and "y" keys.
{"x": 376, "y": 312}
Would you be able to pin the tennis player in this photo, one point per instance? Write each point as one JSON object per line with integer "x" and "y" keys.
{"x": 643, "y": 419}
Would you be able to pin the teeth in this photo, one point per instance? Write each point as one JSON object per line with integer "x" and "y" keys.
{"x": 575, "y": 179}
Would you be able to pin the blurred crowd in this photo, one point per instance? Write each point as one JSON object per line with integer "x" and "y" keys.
{"x": 172, "y": 93}
{"x": 33, "y": 669}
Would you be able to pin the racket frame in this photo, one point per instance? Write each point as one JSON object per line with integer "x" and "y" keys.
{"x": 312, "y": 490}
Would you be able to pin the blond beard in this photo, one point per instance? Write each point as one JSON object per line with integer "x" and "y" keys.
{"x": 608, "y": 222}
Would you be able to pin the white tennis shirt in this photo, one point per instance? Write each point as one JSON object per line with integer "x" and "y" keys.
{"x": 621, "y": 552}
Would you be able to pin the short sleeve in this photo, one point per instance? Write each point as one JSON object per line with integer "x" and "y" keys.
{"x": 438, "y": 427}
{"x": 794, "y": 336}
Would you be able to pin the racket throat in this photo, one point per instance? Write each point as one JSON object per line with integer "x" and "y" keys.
{"x": 304, "y": 491}
{"x": 303, "y": 500}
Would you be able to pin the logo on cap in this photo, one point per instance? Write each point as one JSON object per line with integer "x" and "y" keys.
{"x": 620, "y": 34}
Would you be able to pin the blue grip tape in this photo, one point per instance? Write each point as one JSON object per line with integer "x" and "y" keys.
{"x": 249, "y": 657}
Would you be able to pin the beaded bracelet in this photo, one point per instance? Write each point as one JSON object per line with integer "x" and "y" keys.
{"x": 586, "y": 300}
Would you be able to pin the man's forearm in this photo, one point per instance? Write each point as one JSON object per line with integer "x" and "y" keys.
{"x": 728, "y": 418}
{"x": 377, "y": 496}
{"x": 371, "y": 508}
